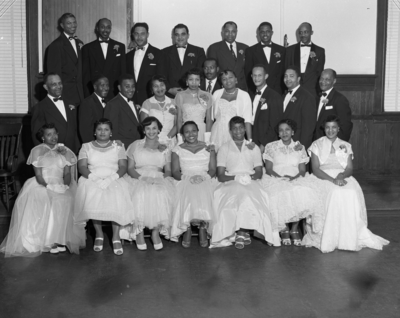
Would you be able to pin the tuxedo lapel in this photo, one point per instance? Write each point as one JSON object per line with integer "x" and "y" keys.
{"x": 291, "y": 104}
{"x": 110, "y": 55}
{"x": 98, "y": 54}
{"x": 261, "y": 55}
{"x": 69, "y": 49}
{"x": 174, "y": 56}
{"x": 297, "y": 55}
{"x": 145, "y": 62}
{"x": 186, "y": 60}
{"x": 54, "y": 113}
{"x": 98, "y": 107}
{"x": 310, "y": 60}
{"x": 263, "y": 96}
{"x": 128, "y": 111}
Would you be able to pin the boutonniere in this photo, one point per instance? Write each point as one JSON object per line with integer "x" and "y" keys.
{"x": 343, "y": 148}
{"x": 241, "y": 52}
{"x": 325, "y": 101}
{"x": 312, "y": 55}
{"x": 150, "y": 56}
{"x": 71, "y": 107}
{"x": 116, "y": 47}
{"x": 171, "y": 109}
{"x": 80, "y": 44}
{"x": 277, "y": 55}
{"x": 293, "y": 99}
{"x": 262, "y": 101}
{"x": 191, "y": 55}
{"x": 61, "y": 149}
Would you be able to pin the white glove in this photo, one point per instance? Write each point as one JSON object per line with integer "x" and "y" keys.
{"x": 93, "y": 177}
{"x": 197, "y": 179}
{"x": 243, "y": 179}
{"x": 114, "y": 176}
{"x": 207, "y": 137}
{"x": 105, "y": 183}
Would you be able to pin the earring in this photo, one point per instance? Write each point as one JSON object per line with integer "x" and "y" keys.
{"x": 43, "y": 140}
{"x": 94, "y": 134}
{"x": 110, "y": 135}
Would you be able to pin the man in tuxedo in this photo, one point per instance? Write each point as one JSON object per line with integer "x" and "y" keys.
{"x": 64, "y": 57}
{"x": 308, "y": 57}
{"x": 92, "y": 108}
{"x": 144, "y": 61}
{"x": 123, "y": 113}
{"x": 267, "y": 108}
{"x": 332, "y": 103}
{"x": 230, "y": 54}
{"x": 269, "y": 54}
{"x": 104, "y": 56}
{"x": 210, "y": 83}
{"x": 180, "y": 58}
{"x": 299, "y": 105}
{"x": 55, "y": 109}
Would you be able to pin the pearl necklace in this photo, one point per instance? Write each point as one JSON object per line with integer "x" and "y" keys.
{"x": 101, "y": 145}
{"x": 230, "y": 93}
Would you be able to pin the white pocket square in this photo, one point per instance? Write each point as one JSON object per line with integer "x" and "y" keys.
{"x": 118, "y": 55}
{"x": 152, "y": 64}
{"x": 278, "y": 61}
{"x": 264, "y": 107}
{"x": 328, "y": 107}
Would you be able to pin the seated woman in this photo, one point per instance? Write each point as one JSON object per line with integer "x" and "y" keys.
{"x": 42, "y": 220}
{"x": 229, "y": 102}
{"x": 241, "y": 203}
{"x": 194, "y": 165}
{"x": 152, "y": 195}
{"x": 194, "y": 104}
{"x": 102, "y": 194}
{"x": 163, "y": 108}
{"x": 291, "y": 195}
{"x": 343, "y": 223}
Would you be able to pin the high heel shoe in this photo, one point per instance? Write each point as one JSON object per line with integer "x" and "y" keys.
{"x": 118, "y": 251}
{"x": 285, "y": 238}
{"x": 239, "y": 242}
{"x": 141, "y": 247}
{"x": 157, "y": 246}
{"x": 247, "y": 239}
{"x": 187, "y": 237}
{"x": 98, "y": 248}
{"x": 295, "y": 237}
{"x": 203, "y": 236}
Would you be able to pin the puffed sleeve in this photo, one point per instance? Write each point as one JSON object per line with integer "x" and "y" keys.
{"x": 69, "y": 157}
{"x": 83, "y": 153}
{"x": 121, "y": 153}
{"x": 245, "y": 107}
{"x": 35, "y": 155}
{"x": 176, "y": 149}
{"x": 132, "y": 148}
{"x": 269, "y": 153}
{"x": 146, "y": 107}
{"x": 303, "y": 156}
{"x": 314, "y": 149}
{"x": 179, "y": 99}
{"x": 256, "y": 153}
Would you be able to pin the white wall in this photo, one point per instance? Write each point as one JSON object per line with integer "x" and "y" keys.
{"x": 345, "y": 28}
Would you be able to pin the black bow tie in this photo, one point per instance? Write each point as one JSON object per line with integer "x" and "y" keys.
{"x": 103, "y": 100}
{"x": 72, "y": 38}
{"x": 309, "y": 45}
{"x": 140, "y": 48}
{"x": 181, "y": 46}
{"x": 258, "y": 92}
{"x": 290, "y": 92}
{"x": 104, "y": 41}
{"x": 130, "y": 100}
{"x": 266, "y": 45}
{"x": 56, "y": 99}
{"x": 324, "y": 94}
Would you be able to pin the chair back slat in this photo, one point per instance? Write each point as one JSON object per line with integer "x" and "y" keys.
{"x": 9, "y": 142}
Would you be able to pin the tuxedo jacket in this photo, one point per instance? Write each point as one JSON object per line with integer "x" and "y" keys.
{"x": 337, "y": 105}
{"x": 267, "y": 119}
{"x": 221, "y": 52}
{"x": 62, "y": 59}
{"x": 126, "y": 126}
{"x": 176, "y": 72}
{"x": 45, "y": 112}
{"x": 315, "y": 66}
{"x": 94, "y": 64}
{"x": 204, "y": 84}
{"x": 152, "y": 64}
{"x": 302, "y": 110}
{"x": 90, "y": 110}
{"x": 275, "y": 68}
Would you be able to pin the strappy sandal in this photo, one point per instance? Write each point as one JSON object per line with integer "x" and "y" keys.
{"x": 188, "y": 233}
{"x": 203, "y": 236}
{"x": 98, "y": 248}
{"x": 247, "y": 239}
{"x": 294, "y": 236}
{"x": 239, "y": 242}
{"x": 118, "y": 251}
{"x": 285, "y": 238}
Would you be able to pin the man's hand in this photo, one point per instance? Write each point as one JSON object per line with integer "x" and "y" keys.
{"x": 174, "y": 90}
{"x": 262, "y": 148}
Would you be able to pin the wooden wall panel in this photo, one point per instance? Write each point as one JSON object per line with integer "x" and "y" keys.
{"x": 361, "y": 102}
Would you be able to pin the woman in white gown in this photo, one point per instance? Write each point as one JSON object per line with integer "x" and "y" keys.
{"x": 288, "y": 185}
{"x": 343, "y": 224}
{"x": 195, "y": 105}
{"x": 241, "y": 204}
{"x": 227, "y": 103}
{"x": 42, "y": 218}
{"x": 149, "y": 166}
{"x": 103, "y": 195}
{"x": 163, "y": 108}
{"x": 194, "y": 166}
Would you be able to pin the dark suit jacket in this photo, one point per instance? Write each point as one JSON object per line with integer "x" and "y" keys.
{"x": 94, "y": 64}
{"x": 223, "y": 55}
{"x": 194, "y": 57}
{"x": 276, "y": 68}
{"x": 266, "y": 121}
{"x": 315, "y": 66}
{"x": 341, "y": 108}
{"x": 204, "y": 84}
{"x": 152, "y": 64}
{"x": 125, "y": 125}
{"x": 303, "y": 111}
{"x": 46, "y": 112}
{"x": 62, "y": 59}
{"x": 90, "y": 111}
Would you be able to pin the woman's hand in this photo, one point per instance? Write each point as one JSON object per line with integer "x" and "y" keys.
{"x": 339, "y": 182}
{"x": 197, "y": 179}
{"x": 250, "y": 144}
{"x": 162, "y": 147}
{"x": 210, "y": 148}
{"x": 290, "y": 178}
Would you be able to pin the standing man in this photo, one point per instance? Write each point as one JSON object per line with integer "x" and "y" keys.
{"x": 210, "y": 83}
{"x": 308, "y": 57}
{"x": 230, "y": 54}
{"x": 267, "y": 108}
{"x": 64, "y": 57}
{"x": 103, "y": 56}
{"x": 55, "y": 109}
{"x": 299, "y": 105}
{"x": 92, "y": 108}
{"x": 332, "y": 103}
{"x": 180, "y": 58}
{"x": 144, "y": 61}
{"x": 122, "y": 112}
{"x": 269, "y": 54}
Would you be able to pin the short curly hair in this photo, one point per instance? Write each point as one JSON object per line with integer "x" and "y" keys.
{"x": 291, "y": 123}
{"x": 40, "y": 133}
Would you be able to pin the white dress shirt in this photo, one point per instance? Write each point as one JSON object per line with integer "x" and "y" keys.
{"x": 73, "y": 43}
{"x": 131, "y": 105}
{"x": 267, "y": 52}
{"x": 181, "y": 53}
{"x": 213, "y": 81}
{"x": 304, "y": 55}
{"x": 104, "y": 47}
{"x": 289, "y": 96}
{"x": 234, "y": 47}
{"x": 60, "y": 106}
{"x": 321, "y": 104}
{"x": 138, "y": 59}
{"x": 256, "y": 101}
{"x": 100, "y": 99}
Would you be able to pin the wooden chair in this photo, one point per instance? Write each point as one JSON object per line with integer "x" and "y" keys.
{"x": 9, "y": 148}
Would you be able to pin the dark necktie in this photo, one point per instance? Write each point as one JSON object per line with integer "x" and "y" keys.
{"x": 104, "y": 41}
{"x": 181, "y": 46}
{"x": 56, "y": 99}
{"x": 209, "y": 87}
{"x": 309, "y": 45}
{"x": 72, "y": 38}
{"x": 258, "y": 92}
{"x": 233, "y": 52}
{"x": 140, "y": 48}
{"x": 266, "y": 45}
